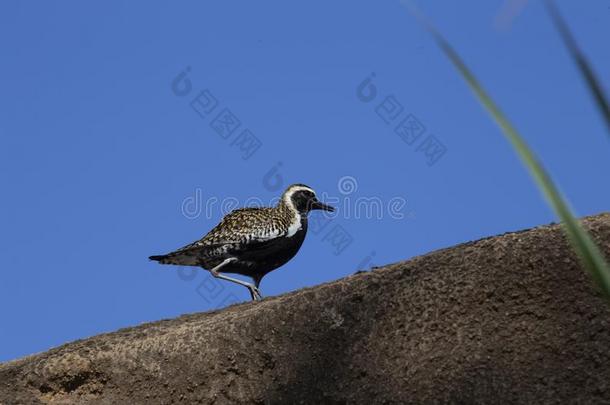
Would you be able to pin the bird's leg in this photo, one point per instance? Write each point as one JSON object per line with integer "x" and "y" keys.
{"x": 254, "y": 292}
{"x": 257, "y": 281}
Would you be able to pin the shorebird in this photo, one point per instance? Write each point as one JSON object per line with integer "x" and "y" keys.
{"x": 252, "y": 241}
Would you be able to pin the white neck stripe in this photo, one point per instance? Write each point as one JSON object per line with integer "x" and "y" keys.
{"x": 287, "y": 200}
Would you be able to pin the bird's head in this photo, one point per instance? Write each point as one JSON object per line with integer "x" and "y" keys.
{"x": 303, "y": 199}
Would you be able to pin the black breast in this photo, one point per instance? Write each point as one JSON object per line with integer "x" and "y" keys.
{"x": 256, "y": 259}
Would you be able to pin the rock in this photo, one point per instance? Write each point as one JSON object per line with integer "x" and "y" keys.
{"x": 511, "y": 319}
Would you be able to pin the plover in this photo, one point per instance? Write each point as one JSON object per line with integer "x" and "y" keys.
{"x": 252, "y": 241}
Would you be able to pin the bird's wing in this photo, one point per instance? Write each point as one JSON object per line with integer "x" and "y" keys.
{"x": 243, "y": 226}
{"x": 252, "y": 226}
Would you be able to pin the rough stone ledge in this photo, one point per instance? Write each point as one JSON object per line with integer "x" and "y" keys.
{"x": 506, "y": 319}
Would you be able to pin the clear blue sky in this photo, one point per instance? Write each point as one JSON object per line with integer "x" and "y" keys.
{"x": 102, "y": 164}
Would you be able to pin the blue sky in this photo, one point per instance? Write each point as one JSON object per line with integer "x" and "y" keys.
{"x": 103, "y": 162}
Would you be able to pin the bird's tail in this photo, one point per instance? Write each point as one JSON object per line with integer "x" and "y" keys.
{"x": 180, "y": 258}
{"x": 158, "y": 258}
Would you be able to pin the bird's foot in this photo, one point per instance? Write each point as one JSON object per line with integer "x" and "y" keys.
{"x": 255, "y": 293}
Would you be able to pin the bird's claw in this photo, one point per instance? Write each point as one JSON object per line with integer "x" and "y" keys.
{"x": 255, "y": 293}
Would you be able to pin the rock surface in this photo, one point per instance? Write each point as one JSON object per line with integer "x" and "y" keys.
{"x": 507, "y": 319}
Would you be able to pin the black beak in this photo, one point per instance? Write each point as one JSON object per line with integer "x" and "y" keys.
{"x": 317, "y": 205}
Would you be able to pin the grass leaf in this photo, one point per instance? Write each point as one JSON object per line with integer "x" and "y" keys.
{"x": 583, "y": 65}
{"x": 590, "y": 255}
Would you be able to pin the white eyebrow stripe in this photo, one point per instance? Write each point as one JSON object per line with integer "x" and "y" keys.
{"x": 293, "y": 190}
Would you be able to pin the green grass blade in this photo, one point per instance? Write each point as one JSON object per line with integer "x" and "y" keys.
{"x": 583, "y": 65}
{"x": 589, "y": 253}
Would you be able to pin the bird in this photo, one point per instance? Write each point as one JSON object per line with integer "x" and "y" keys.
{"x": 252, "y": 241}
